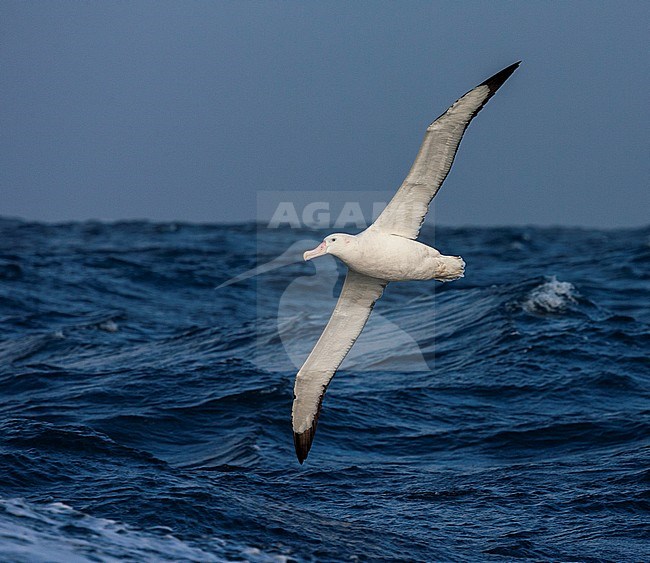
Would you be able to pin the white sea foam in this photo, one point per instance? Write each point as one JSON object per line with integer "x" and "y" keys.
{"x": 109, "y": 326}
{"x": 550, "y": 297}
{"x": 59, "y": 534}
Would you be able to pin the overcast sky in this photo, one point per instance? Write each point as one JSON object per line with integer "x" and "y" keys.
{"x": 185, "y": 110}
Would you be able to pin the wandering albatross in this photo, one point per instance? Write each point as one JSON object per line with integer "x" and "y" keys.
{"x": 386, "y": 251}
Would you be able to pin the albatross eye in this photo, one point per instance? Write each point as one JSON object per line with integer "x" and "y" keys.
{"x": 333, "y": 240}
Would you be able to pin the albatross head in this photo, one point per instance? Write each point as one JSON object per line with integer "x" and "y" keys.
{"x": 338, "y": 244}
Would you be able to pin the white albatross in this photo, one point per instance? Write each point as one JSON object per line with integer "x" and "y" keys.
{"x": 386, "y": 251}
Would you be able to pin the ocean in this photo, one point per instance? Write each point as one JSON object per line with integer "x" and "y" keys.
{"x": 146, "y": 399}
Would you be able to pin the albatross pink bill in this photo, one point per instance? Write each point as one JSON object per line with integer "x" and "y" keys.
{"x": 318, "y": 251}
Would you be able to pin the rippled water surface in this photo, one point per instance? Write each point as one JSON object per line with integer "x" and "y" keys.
{"x": 145, "y": 414}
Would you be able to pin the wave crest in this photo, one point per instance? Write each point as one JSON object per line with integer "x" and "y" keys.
{"x": 553, "y": 296}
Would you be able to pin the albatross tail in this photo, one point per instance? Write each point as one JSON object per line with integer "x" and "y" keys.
{"x": 449, "y": 268}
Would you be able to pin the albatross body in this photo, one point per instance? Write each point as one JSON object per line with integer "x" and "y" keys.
{"x": 389, "y": 257}
{"x": 385, "y": 252}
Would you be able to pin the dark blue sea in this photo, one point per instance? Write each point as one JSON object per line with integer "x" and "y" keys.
{"x": 145, "y": 414}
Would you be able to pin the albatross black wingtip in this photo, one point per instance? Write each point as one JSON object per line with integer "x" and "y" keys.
{"x": 303, "y": 442}
{"x": 495, "y": 82}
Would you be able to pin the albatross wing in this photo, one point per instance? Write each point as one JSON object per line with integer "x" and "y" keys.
{"x": 352, "y": 310}
{"x": 406, "y": 211}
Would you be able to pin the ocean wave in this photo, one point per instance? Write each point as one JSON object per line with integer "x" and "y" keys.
{"x": 33, "y": 532}
{"x": 158, "y": 407}
{"x": 46, "y": 436}
{"x": 552, "y": 296}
